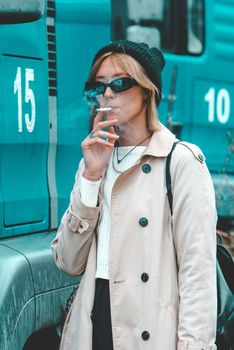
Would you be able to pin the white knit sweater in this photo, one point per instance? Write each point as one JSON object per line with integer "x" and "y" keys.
{"x": 89, "y": 195}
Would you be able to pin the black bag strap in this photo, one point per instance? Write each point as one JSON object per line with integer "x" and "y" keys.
{"x": 168, "y": 177}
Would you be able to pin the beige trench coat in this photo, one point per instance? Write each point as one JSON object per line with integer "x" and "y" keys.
{"x": 176, "y": 306}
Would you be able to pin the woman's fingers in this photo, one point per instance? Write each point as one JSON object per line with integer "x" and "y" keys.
{"x": 98, "y": 140}
{"x": 104, "y": 124}
{"x": 98, "y": 118}
{"x": 104, "y": 134}
{"x": 113, "y": 132}
{"x": 99, "y": 136}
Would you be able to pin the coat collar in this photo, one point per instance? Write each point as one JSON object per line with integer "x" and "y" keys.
{"x": 161, "y": 142}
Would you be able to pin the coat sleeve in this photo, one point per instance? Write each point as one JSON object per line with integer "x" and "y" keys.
{"x": 75, "y": 234}
{"x": 194, "y": 230}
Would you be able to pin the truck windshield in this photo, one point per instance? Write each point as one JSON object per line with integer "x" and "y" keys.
{"x": 174, "y": 26}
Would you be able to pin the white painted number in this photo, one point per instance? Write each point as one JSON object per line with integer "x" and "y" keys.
{"x": 219, "y": 105}
{"x": 18, "y": 87}
{"x": 223, "y": 106}
{"x": 29, "y": 98}
{"x": 210, "y": 97}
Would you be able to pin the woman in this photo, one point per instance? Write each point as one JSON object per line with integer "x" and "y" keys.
{"x": 149, "y": 280}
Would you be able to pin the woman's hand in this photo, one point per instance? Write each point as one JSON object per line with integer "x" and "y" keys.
{"x": 98, "y": 147}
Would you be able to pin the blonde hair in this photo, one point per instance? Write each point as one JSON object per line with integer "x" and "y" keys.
{"x": 137, "y": 72}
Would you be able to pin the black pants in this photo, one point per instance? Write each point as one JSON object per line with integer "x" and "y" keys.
{"x": 101, "y": 317}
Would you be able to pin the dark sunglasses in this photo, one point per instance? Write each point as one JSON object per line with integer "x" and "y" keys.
{"x": 96, "y": 88}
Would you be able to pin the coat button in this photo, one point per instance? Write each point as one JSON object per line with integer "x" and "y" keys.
{"x": 144, "y": 277}
{"x": 145, "y": 335}
{"x": 146, "y": 168}
{"x": 143, "y": 222}
{"x": 201, "y": 157}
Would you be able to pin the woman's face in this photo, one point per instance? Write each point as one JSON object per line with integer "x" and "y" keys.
{"x": 128, "y": 106}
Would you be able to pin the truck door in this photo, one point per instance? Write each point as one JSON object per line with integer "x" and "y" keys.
{"x": 24, "y": 129}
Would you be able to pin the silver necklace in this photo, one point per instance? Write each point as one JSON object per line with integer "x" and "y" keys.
{"x": 116, "y": 149}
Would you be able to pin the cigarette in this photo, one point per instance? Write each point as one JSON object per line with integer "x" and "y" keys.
{"x": 103, "y": 109}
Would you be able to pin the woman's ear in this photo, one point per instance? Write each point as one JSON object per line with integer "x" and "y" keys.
{"x": 146, "y": 94}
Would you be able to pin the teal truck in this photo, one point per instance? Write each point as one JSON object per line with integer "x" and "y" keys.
{"x": 43, "y": 117}
{"x": 46, "y": 48}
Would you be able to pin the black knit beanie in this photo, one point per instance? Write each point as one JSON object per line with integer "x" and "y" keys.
{"x": 151, "y": 59}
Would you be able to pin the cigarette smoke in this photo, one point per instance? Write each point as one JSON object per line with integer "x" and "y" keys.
{"x": 95, "y": 101}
